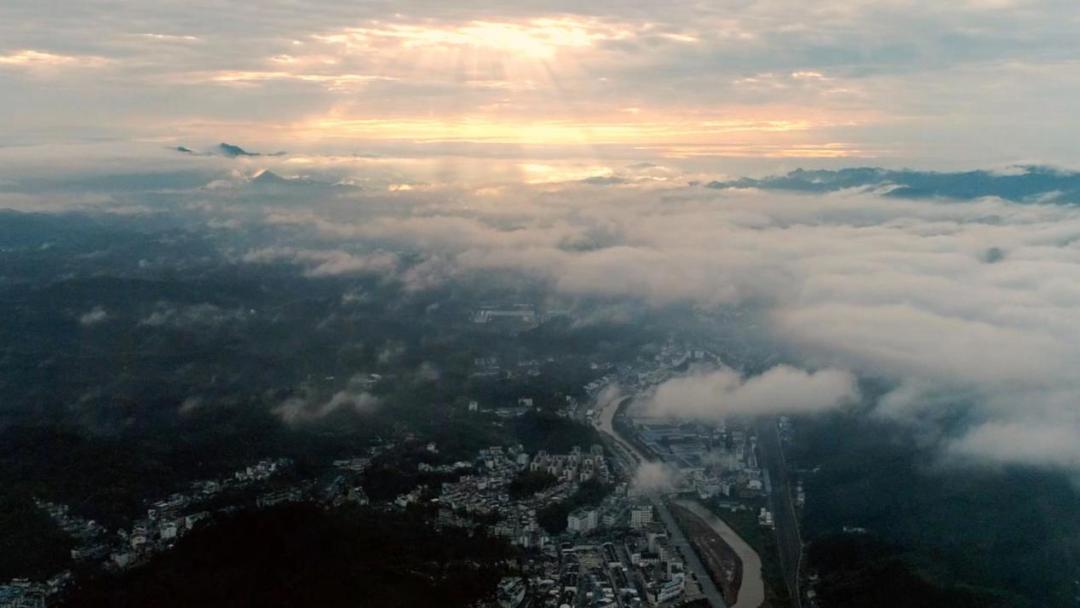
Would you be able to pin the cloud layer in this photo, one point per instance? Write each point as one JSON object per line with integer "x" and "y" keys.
{"x": 971, "y": 303}
{"x": 952, "y": 302}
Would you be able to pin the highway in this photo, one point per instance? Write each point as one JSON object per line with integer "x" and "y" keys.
{"x": 788, "y": 537}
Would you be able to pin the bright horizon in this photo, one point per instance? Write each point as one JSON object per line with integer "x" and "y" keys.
{"x": 891, "y": 83}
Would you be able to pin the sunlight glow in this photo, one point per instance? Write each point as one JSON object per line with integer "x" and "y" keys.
{"x": 333, "y": 82}
{"x": 29, "y": 58}
{"x": 535, "y": 38}
{"x": 546, "y": 132}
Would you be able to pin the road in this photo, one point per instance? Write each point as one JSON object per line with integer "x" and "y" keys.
{"x": 631, "y": 458}
{"x": 788, "y": 537}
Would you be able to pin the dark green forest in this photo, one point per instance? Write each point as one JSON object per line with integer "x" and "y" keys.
{"x": 959, "y": 531}
{"x": 303, "y": 556}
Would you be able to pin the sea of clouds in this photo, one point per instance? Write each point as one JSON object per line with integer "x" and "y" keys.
{"x": 944, "y": 300}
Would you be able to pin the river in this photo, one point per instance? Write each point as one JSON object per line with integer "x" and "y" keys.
{"x": 752, "y": 589}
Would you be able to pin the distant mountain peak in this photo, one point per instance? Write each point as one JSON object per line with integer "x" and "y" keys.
{"x": 225, "y": 149}
{"x": 267, "y": 176}
{"x": 232, "y": 151}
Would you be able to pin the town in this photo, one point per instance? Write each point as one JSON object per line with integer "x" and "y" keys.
{"x": 592, "y": 530}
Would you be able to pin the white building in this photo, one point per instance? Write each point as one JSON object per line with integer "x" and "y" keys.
{"x": 641, "y": 517}
{"x": 168, "y": 530}
{"x": 765, "y": 518}
{"x": 580, "y": 522}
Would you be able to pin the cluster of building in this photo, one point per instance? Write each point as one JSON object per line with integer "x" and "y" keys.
{"x": 714, "y": 459}
{"x": 169, "y": 519}
{"x": 523, "y": 315}
{"x": 165, "y": 521}
{"x": 575, "y": 466}
{"x": 626, "y": 569}
{"x": 86, "y": 533}
{"x": 718, "y": 461}
{"x": 517, "y": 315}
{"x": 614, "y": 554}
{"x": 664, "y": 364}
{"x": 488, "y": 367}
{"x": 23, "y": 593}
{"x": 615, "y": 512}
{"x": 670, "y": 359}
{"x": 486, "y": 493}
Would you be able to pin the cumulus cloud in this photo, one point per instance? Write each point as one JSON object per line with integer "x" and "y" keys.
{"x": 780, "y": 390}
{"x": 33, "y": 59}
{"x": 94, "y": 316}
{"x": 1029, "y": 443}
{"x": 305, "y": 409}
{"x": 390, "y": 352}
{"x": 191, "y": 405}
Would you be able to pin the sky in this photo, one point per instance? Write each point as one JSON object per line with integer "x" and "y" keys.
{"x": 894, "y": 82}
{"x": 598, "y": 151}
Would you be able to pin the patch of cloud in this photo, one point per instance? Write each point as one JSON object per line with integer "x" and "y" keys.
{"x": 191, "y": 405}
{"x": 390, "y": 352}
{"x": 540, "y": 38}
{"x": 356, "y": 296}
{"x": 654, "y": 478}
{"x": 30, "y": 59}
{"x": 1028, "y": 443}
{"x": 307, "y": 409}
{"x": 94, "y": 316}
{"x": 183, "y": 38}
{"x": 780, "y": 390}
